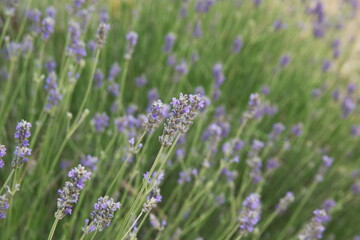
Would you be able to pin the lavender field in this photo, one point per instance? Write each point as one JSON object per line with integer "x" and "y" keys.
{"x": 179, "y": 120}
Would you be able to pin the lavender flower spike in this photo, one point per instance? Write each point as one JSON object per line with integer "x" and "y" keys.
{"x": 132, "y": 40}
{"x": 169, "y": 42}
{"x": 22, "y": 150}
{"x": 285, "y": 202}
{"x": 327, "y": 162}
{"x": 250, "y": 214}
{"x": 2, "y": 154}
{"x": 315, "y": 228}
{"x": 69, "y": 195}
{"x": 156, "y": 115}
{"x": 47, "y": 27}
{"x": 184, "y": 111}
{"x": 101, "y": 34}
{"x": 54, "y": 95}
{"x": 4, "y": 205}
{"x": 101, "y": 216}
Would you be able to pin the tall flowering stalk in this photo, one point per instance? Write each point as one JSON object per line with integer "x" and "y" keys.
{"x": 184, "y": 110}
{"x": 2, "y": 154}
{"x": 132, "y": 38}
{"x": 4, "y": 205}
{"x": 101, "y": 216}
{"x": 250, "y": 214}
{"x": 22, "y": 150}
{"x": 69, "y": 194}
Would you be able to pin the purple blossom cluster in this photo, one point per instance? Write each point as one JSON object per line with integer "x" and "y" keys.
{"x": 156, "y": 223}
{"x": 219, "y": 80}
{"x": 102, "y": 34}
{"x": 47, "y": 24}
{"x": 131, "y": 38}
{"x": 315, "y": 228}
{"x": 186, "y": 175}
{"x": 99, "y": 78}
{"x": 130, "y": 124}
{"x": 90, "y": 162}
{"x": 76, "y": 47}
{"x": 100, "y": 122}
{"x": 237, "y": 44}
{"x": 54, "y": 95}
{"x": 4, "y": 205}
{"x": 285, "y": 202}
{"x": 69, "y": 194}
{"x": 22, "y": 150}
{"x": 140, "y": 81}
{"x": 274, "y": 135}
{"x": 250, "y": 213}
{"x": 169, "y": 42}
{"x": 156, "y": 115}
{"x": 101, "y": 216}
{"x": 319, "y": 24}
{"x": 184, "y": 110}
{"x": 326, "y": 164}
{"x": 2, "y": 154}
{"x": 254, "y": 161}
{"x": 113, "y": 87}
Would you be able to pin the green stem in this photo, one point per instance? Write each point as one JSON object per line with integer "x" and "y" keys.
{"x": 122, "y": 85}
{"x": 93, "y": 237}
{"x": 52, "y": 231}
{"x": 4, "y": 30}
{"x": 128, "y": 231}
{"x": 90, "y": 83}
{"x": 7, "y": 180}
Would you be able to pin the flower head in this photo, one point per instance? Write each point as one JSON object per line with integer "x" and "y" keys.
{"x": 22, "y": 150}
{"x": 250, "y": 213}
{"x": 101, "y": 216}
{"x": 69, "y": 194}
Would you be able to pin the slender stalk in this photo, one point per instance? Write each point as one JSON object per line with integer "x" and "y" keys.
{"x": 52, "y": 231}
{"x": 90, "y": 83}
{"x": 128, "y": 231}
{"x": 7, "y": 180}
{"x": 4, "y": 30}
{"x": 122, "y": 85}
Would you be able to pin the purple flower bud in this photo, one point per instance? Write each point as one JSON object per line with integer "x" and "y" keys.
{"x": 22, "y": 136}
{"x": 326, "y": 66}
{"x": 114, "y": 71}
{"x": 285, "y": 60}
{"x": 250, "y": 213}
{"x": 4, "y": 205}
{"x": 140, "y": 81}
{"x": 100, "y": 217}
{"x": 218, "y": 74}
{"x": 54, "y": 95}
{"x": 182, "y": 68}
{"x": 355, "y": 130}
{"x": 100, "y": 121}
{"x": 169, "y": 42}
{"x": 90, "y": 162}
{"x": 69, "y": 194}
{"x": 297, "y": 130}
{"x": 347, "y": 107}
{"x": 99, "y": 78}
{"x": 131, "y": 38}
{"x": 47, "y": 27}
{"x": 237, "y": 44}
{"x": 197, "y": 33}
{"x": 285, "y": 202}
